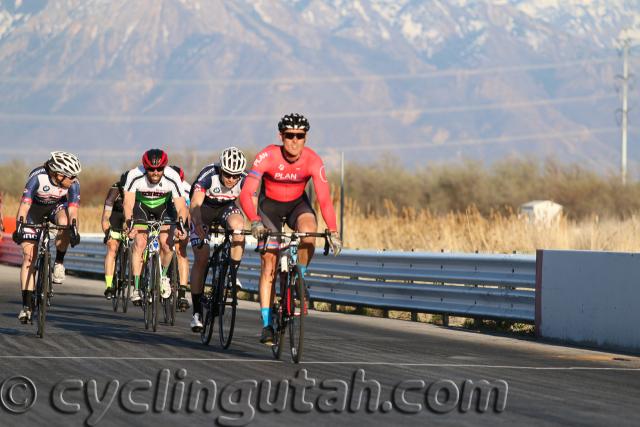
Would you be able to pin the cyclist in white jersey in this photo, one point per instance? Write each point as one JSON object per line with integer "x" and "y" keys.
{"x": 149, "y": 191}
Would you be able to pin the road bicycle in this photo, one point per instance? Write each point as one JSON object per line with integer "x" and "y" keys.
{"x": 43, "y": 280}
{"x": 291, "y": 305}
{"x": 122, "y": 277}
{"x": 221, "y": 298}
{"x": 151, "y": 274}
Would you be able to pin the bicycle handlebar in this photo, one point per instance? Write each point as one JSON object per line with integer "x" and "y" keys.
{"x": 42, "y": 225}
{"x": 227, "y": 232}
{"x": 297, "y": 234}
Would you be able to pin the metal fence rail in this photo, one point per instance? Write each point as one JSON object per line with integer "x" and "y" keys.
{"x": 468, "y": 285}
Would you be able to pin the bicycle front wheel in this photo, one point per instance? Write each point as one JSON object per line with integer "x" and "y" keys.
{"x": 127, "y": 278}
{"x": 155, "y": 290}
{"x": 117, "y": 281}
{"x": 227, "y": 304}
{"x": 297, "y": 312}
{"x": 43, "y": 286}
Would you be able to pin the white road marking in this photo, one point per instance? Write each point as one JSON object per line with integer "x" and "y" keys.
{"x": 432, "y": 365}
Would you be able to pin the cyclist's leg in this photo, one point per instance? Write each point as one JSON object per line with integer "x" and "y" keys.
{"x": 303, "y": 219}
{"x": 116, "y": 221}
{"x": 201, "y": 261}
{"x": 183, "y": 269}
{"x": 166, "y": 254}
{"x": 27, "y": 279}
{"x": 271, "y": 213}
{"x": 198, "y": 271}
{"x": 110, "y": 264}
{"x": 61, "y": 216}
{"x": 235, "y": 221}
{"x": 139, "y": 234}
{"x": 183, "y": 261}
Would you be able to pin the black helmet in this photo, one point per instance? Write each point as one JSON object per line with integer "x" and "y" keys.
{"x": 293, "y": 121}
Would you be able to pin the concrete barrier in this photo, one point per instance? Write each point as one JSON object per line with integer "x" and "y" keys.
{"x": 589, "y": 298}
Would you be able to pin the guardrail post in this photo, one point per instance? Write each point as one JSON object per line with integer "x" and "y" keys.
{"x": 445, "y": 320}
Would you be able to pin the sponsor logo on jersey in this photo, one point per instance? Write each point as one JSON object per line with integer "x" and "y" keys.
{"x": 216, "y": 190}
{"x": 286, "y": 176}
{"x": 46, "y": 188}
{"x": 281, "y": 167}
{"x": 260, "y": 158}
{"x": 151, "y": 194}
{"x": 323, "y": 174}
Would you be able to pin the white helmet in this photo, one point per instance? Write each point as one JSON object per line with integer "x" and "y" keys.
{"x": 233, "y": 161}
{"x": 64, "y": 163}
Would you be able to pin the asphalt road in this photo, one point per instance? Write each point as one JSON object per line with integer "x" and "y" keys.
{"x": 97, "y": 367}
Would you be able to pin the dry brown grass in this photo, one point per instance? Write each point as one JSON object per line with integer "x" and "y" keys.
{"x": 469, "y": 231}
{"x": 420, "y": 230}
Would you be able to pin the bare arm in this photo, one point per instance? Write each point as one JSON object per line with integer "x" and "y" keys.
{"x": 129, "y": 201}
{"x": 196, "y": 203}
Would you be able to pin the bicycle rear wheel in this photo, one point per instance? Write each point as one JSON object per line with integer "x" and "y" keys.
{"x": 279, "y": 317}
{"x": 227, "y": 304}
{"x": 43, "y": 285}
{"x": 297, "y": 311}
{"x": 279, "y": 327}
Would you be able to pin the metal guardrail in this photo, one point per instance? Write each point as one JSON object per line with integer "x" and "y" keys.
{"x": 468, "y": 285}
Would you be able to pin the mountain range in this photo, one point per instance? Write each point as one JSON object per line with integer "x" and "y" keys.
{"x": 422, "y": 81}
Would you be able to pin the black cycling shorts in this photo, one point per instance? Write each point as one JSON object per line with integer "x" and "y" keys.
{"x": 39, "y": 214}
{"x": 213, "y": 215}
{"x": 143, "y": 212}
{"x": 271, "y": 212}
{"x": 116, "y": 220}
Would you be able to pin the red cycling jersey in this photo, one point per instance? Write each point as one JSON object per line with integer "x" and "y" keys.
{"x": 284, "y": 181}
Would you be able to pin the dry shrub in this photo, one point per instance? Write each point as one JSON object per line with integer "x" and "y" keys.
{"x": 470, "y": 231}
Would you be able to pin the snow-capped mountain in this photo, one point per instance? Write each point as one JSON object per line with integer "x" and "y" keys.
{"x": 424, "y": 80}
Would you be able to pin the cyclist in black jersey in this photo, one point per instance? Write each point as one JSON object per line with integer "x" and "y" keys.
{"x": 112, "y": 222}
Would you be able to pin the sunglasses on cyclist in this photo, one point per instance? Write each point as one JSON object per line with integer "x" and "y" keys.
{"x": 229, "y": 176}
{"x": 154, "y": 169}
{"x": 291, "y": 135}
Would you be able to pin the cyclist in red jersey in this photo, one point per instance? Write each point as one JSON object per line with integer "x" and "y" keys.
{"x": 284, "y": 171}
